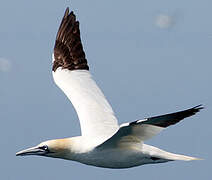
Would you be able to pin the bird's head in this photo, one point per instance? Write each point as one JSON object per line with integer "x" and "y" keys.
{"x": 53, "y": 148}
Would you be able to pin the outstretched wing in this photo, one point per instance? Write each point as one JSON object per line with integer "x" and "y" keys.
{"x": 70, "y": 73}
{"x": 145, "y": 129}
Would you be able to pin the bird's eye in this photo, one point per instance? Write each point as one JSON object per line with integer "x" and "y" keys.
{"x": 45, "y": 147}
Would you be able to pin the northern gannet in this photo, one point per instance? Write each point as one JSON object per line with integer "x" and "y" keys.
{"x": 103, "y": 142}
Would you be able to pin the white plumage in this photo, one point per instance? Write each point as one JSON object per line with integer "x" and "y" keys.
{"x": 103, "y": 142}
{"x": 96, "y": 116}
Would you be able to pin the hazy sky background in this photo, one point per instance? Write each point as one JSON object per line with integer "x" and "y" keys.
{"x": 149, "y": 58}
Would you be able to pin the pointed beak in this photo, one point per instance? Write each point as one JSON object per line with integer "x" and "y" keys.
{"x": 32, "y": 151}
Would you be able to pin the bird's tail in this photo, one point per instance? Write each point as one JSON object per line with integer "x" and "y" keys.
{"x": 156, "y": 152}
{"x": 172, "y": 156}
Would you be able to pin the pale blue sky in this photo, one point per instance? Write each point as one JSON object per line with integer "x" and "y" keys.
{"x": 144, "y": 70}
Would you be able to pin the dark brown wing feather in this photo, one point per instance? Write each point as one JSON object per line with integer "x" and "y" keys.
{"x": 68, "y": 49}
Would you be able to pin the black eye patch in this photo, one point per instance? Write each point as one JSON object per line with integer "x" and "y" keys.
{"x": 45, "y": 148}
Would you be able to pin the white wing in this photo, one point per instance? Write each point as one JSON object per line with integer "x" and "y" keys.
{"x": 70, "y": 72}
{"x": 141, "y": 130}
{"x": 96, "y": 117}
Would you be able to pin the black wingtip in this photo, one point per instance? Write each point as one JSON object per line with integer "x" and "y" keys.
{"x": 198, "y": 107}
{"x": 68, "y": 49}
{"x": 194, "y": 110}
{"x": 172, "y": 118}
{"x": 67, "y": 12}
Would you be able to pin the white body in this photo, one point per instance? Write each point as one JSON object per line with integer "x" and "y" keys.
{"x": 125, "y": 155}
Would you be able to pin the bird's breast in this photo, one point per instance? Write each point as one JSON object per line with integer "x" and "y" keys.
{"x": 111, "y": 158}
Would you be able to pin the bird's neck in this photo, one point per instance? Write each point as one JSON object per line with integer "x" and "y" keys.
{"x": 70, "y": 148}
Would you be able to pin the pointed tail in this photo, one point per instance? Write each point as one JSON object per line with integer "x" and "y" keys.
{"x": 156, "y": 152}
{"x": 180, "y": 157}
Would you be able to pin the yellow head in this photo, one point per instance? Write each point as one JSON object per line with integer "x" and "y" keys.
{"x": 58, "y": 148}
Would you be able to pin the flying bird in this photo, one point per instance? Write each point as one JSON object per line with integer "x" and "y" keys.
{"x": 103, "y": 143}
